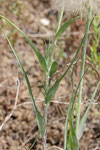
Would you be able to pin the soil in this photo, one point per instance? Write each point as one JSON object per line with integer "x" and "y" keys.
{"x": 38, "y": 19}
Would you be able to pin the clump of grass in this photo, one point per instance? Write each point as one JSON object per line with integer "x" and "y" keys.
{"x": 50, "y": 66}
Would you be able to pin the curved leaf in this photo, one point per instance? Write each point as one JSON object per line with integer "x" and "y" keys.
{"x": 52, "y": 92}
{"x": 73, "y": 142}
{"x": 64, "y": 27}
{"x": 84, "y": 118}
{"x": 54, "y": 68}
{"x": 38, "y": 54}
{"x": 40, "y": 119}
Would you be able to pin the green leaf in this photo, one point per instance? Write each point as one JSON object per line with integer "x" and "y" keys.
{"x": 40, "y": 119}
{"x": 66, "y": 126}
{"x": 64, "y": 27}
{"x": 54, "y": 68}
{"x": 38, "y": 54}
{"x": 73, "y": 142}
{"x": 52, "y": 91}
{"x": 84, "y": 118}
{"x": 50, "y": 94}
{"x": 70, "y": 108}
{"x": 40, "y": 122}
{"x": 34, "y": 142}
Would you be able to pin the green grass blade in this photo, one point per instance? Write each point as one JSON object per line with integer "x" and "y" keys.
{"x": 72, "y": 79}
{"x": 39, "y": 118}
{"x": 70, "y": 108}
{"x": 84, "y": 118}
{"x": 38, "y": 54}
{"x": 34, "y": 142}
{"x": 83, "y": 66}
{"x": 72, "y": 101}
{"x": 64, "y": 27}
{"x": 66, "y": 127}
{"x": 73, "y": 142}
{"x": 60, "y": 19}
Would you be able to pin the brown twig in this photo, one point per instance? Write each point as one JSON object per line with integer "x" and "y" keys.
{"x": 16, "y": 99}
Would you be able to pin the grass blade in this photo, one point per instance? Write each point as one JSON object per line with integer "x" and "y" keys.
{"x": 34, "y": 142}
{"x": 83, "y": 119}
{"x": 83, "y": 67}
{"x": 66, "y": 127}
{"x": 73, "y": 142}
{"x": 70, "y": 108}
{"x": 39, "y": 118}
{"x": 38, "y": 54}
{"x": 64, "y": 27}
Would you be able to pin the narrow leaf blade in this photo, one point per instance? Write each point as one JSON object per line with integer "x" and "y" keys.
{"x": 38, "y": 54}
{"x": 64, "y": 27}
{"x": 73, "y": 142}
{"x": 51, "y": 92}
{"x": 66, "y": 127}
{"x": 84, "y": 118}
{"x": 39, "y": 118}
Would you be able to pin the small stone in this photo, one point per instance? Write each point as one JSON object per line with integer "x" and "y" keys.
{"x": 45, "y": 21}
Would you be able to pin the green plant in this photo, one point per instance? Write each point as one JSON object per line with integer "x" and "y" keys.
{"x": 94, "y": 57}
{"x": 50, "y": 66}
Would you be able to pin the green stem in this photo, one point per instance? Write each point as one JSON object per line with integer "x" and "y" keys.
{"x": 53, "y": 44}
{"x": 51, "y": 51}
{"x": 45, "y": 127}
{"x": 60, "y": 19}
{"x": 82, "y": 69}
{"x": 45, "y": 112}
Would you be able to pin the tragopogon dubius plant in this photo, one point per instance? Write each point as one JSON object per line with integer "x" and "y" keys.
{"x": 50, "y": 66}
